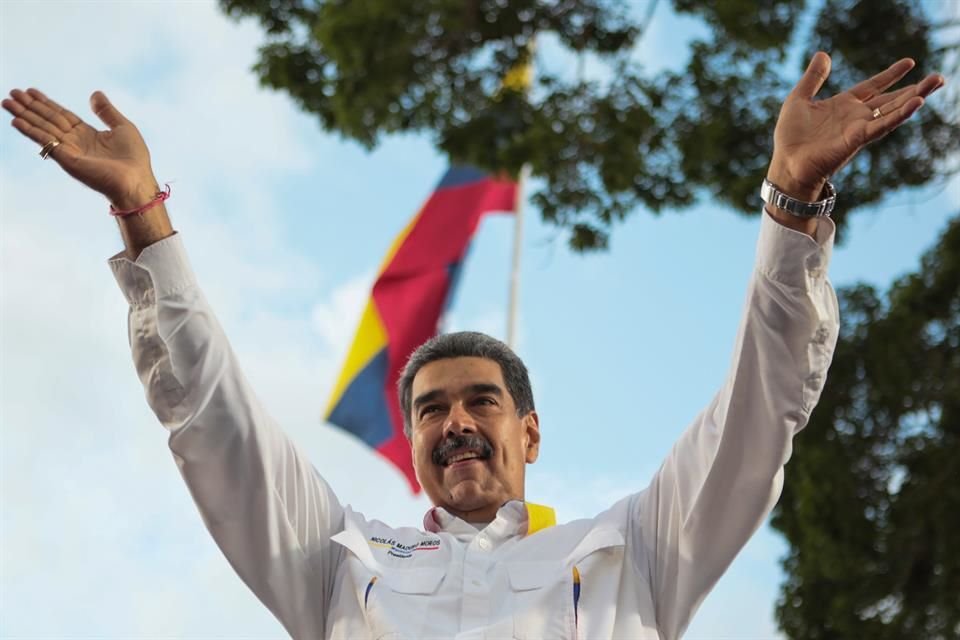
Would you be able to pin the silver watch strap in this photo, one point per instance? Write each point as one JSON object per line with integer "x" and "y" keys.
{"x": 773, "y": 196}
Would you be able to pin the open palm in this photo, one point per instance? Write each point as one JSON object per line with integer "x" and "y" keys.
{"x": 816, "y": 138}
{"x": 114, "y": 162}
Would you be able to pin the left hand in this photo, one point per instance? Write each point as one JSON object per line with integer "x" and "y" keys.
{"x": 815, "y": 139}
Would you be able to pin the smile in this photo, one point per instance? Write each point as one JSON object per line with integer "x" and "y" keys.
{"x": 461, "y": 457}
{"x": 462, "y": 449}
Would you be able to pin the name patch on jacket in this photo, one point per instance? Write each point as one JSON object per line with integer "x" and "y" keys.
{"x": 400, "y": 550}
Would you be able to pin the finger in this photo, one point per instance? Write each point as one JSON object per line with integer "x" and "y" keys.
{"x": 881, "y": 101}
{"x": 892, "y": 107}
{"x": 41, "y": 109}
{"x": 879, "y": 127}
{"x": 37, "y": 134}
{"x": 923, "y": 89}
{"x": 64, "y": 153}
{"x": 882, "y": 81}
{"x": 105, "y": 110}
{"x": 814, "y": 77}
{"x": 9, "y": 105}
{"x": 930, "y": 84}
{"x": 17, "y": 108}
{"x": 68, "y": 115}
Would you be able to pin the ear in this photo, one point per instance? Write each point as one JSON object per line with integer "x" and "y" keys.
{"x": 531, "y": 427}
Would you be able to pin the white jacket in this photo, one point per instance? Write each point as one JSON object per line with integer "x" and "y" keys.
{"x": 638, "y": 570}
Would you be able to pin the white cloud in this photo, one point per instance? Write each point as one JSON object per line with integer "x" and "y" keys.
{"x": 335, "y": 320}
{"x": 96, "y": 523}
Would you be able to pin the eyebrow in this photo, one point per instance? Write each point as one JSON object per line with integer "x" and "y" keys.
{"x": 473, "y": 389}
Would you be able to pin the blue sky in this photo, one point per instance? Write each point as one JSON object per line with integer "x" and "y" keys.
{"x": 285, "y": 226}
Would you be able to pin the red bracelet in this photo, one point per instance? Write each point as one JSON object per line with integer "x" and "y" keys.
{"x": 157, "y": 199}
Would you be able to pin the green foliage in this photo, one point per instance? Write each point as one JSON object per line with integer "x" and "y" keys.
{"x": 369, "y": 68}
{"x": 871, "y": 506}
{"x": 871, "y": 503}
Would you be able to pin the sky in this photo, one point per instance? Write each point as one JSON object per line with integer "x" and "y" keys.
{"x": 285, "y": 226}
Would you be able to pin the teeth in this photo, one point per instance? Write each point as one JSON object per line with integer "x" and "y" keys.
{"x": 462, "y": 456}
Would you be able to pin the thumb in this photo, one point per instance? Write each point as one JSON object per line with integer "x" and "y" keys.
{"x": 814, "y": 77}
{"x": 105, "y": 110}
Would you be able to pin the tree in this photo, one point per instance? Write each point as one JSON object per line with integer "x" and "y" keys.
{"x": 602, "y": 148}
{"x": 871, "y": 501}
{"x": 871, "y": 506}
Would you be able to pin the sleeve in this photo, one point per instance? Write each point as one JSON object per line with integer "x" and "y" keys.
{"x": 269, "y": 511}
{"x": 724, "y": 475}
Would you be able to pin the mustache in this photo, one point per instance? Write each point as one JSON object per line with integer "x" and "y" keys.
{"x": 474, "y": 442}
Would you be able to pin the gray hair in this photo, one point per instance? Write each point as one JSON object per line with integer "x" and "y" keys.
{"x": 466, "y": 344}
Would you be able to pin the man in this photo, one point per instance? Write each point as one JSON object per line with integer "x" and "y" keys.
{"x": 486, "y": 564}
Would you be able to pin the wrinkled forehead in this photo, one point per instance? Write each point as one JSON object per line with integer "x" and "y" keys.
{"x": 457, "y": 375}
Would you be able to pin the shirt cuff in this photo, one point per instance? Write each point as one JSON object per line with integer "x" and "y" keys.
{"x": 792, "y": 257}
{"x": 161, "y": 269}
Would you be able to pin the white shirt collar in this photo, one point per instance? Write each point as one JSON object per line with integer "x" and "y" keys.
{"x": 513, "y": 518}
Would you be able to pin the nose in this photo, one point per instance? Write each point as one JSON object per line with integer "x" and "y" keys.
{"x": 459, "y": 422}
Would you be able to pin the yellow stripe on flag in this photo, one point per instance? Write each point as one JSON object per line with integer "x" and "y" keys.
{"x": 371, "y": 335}
{"x": 371, "y": 338}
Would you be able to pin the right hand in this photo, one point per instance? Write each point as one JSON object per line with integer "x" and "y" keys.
{"x": 115, "y": 162}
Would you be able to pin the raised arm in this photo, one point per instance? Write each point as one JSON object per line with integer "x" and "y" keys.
{"x": 725, "y": 474}
{"x": 264, "y": 504}
{"x": 814, "y": 139}
{"x": 114, "y": 162}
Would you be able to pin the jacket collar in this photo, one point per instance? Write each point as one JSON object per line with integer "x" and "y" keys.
{"x": 513, "y": 518}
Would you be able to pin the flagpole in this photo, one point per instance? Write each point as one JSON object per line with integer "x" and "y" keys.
{"x": 513, "y": 307}
{"x": 514, "y": 301}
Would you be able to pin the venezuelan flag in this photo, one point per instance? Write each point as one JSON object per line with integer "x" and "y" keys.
{"x": 414, "y": 286}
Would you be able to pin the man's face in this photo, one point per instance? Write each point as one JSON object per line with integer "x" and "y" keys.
{"x": 469, "y": 446}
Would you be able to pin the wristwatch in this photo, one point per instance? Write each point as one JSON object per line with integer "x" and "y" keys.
{"x": 772, "y": 195}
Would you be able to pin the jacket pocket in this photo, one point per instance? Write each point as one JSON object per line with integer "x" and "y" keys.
{"x": 552, "y": 598}
{"x": 396, "y": 602}
{"x": 417, "y": 581}
{"x": 400, "y": 602}
{"x": 541, "y": 597}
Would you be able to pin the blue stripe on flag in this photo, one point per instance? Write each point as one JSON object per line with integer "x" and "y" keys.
{"x": 457, "y": 176}
{"x": 362, "y": 409}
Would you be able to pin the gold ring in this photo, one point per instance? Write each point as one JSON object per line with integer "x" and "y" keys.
{"x": 876, "y": 113}
{"x": 48, "y": 148}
